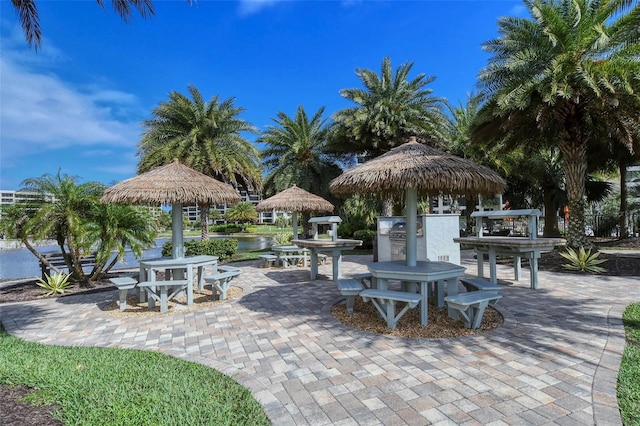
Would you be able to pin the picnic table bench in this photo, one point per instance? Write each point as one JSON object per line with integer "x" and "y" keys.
{"x": 163, "y": 291}
{"x": 479, "y": 284}
{"x": 221, "y": 281}
{"x": 350, "y": 288}
{"x": 57, "y": 261}
{"x": 124, "y": 284}
{"x": 471, "y": 305}
{"x": 385, "y": 302}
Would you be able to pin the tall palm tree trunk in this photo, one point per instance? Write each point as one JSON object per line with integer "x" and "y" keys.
{"x": 575, "y": 170}
{"x": 204, "y": 218}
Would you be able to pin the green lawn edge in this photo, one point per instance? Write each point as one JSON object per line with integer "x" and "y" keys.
{"x": 629, "y": 375}
{"x": 109, "y": 386}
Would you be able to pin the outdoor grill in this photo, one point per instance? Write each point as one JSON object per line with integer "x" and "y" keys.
{"x": 398, "y": 240}
{"x": 399, "y": 231}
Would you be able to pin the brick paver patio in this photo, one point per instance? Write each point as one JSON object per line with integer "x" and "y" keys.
{"x": 554, "y": 361}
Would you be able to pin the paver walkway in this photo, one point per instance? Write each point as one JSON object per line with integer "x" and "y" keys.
{"x": 554, "y": 361}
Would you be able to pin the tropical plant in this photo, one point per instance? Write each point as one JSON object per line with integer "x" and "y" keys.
{"x": 282, "y": 238}
{"x": 206, "y": 136}
{"x": 242, "y": 212}
{"x": 389, "y": 110}
{"x": 54, "y": 284}
{"x": 569, "y": 72}
{"x": 582, "y": 260}
{"x": 118, "y": 228}
{"x": 282, "y": 222}
{"x": 296, "y": 154}
{"x": 61, "y": 211}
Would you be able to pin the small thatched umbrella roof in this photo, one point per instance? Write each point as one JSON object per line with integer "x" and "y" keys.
{"x": 428, "y": 169}
{"x": 295, "y": 200}
{"x": 174, "y": 184}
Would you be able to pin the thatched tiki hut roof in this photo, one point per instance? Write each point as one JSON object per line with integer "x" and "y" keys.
{"x": 415, "y": 165}
{"x": 416, "y": 169}
{"x": 295, "y": 200}
{"x": 173, "y": 183}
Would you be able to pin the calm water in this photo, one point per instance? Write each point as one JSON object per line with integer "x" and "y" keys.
{"x": 21, "y": 263}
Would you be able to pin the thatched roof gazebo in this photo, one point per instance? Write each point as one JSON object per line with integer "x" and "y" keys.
{"x": 417, "y": 169}
{"x": 295, "y": 200}
{"x": 174, "y": 184}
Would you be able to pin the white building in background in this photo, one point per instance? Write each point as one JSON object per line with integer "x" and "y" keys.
{"x": 192, "y": 213}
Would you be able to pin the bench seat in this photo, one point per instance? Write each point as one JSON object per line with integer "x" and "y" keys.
{"x": 471, "y": 305}
{"x": 221, "y": 282}
{"x": 163, "y": 291}
{"x": 385, "y": 303}
{"x": 364, "y": 278}
{"x": 268, "y": 259}
{"x": 479, "y": 284}
{"x": 124, "y": 284}
{"x": 349, "y": 288}
{"x": 287, "y": 260}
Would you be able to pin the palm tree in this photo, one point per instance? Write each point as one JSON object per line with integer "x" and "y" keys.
{"x": 62, "y": 211}
{"x": 296, "y": 154}
{"x": 206, "y": 136}
{"x": 242, "y": 212}
{"x": 119, "y": 227}
{"x": 559, "y": 70}
{"x": 27, "y": 11}
{"x": 389, "y": 110}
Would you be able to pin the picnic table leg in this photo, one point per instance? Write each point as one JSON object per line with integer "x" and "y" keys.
{"x": 314, "y": 264}
{"x": 190, "y": 285}
{"x": 534, "y": 269}
{"x": 452, "y": 289}
{"x": 480, "y": 263}
{"x": 517, "y": 268}
{"x": 164, "y": 298}
{"x": 424, "y": 303}
{"x": 337, "y": 264}
{"x": 492, "y": 266}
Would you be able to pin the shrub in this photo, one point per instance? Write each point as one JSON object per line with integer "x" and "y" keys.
{"x": 224, "y": 248}
{"x": 345, "y": 230}
{"x": 57, "y": 283}
{"x": 367, "y": 236}
{"x": 283, "y": 238}
{"x": 251, "y": 229}
{"x": 583, "y": 260}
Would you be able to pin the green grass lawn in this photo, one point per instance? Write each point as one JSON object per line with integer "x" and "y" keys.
{"x": 629, "y": 375}
{"x": 105, "y": 386}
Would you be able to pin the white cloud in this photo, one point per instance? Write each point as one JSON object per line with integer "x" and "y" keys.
{"x": 251, "y": 7}
{"x": 40, "y": 111}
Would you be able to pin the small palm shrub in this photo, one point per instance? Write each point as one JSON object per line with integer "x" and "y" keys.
{"x": 282, "y": 238}
{"x": 54, "y": 284}
{"x": 582, "y": 260}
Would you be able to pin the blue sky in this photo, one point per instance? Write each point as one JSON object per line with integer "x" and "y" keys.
{"x": 77, "y": 103}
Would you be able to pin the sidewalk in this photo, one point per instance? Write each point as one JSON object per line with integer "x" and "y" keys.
{"x": 554, "y": 361}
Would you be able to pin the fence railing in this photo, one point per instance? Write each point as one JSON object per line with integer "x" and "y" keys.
{"x": 608, "y": 225}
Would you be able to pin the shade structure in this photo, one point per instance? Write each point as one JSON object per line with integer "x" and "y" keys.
{"x": 417, "y": 169}
{"x": 174, "y": 184}
{"x": 295, "y": 200}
